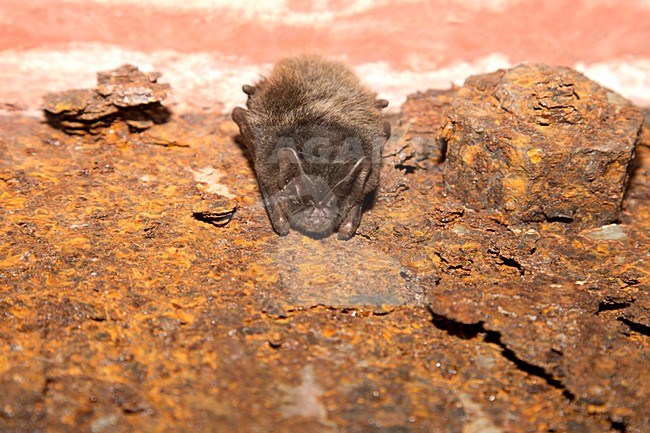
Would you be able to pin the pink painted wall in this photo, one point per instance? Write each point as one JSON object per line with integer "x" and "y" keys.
{"x": 399, "y": 45}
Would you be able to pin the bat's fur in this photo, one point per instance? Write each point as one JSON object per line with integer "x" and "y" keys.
{"x": 315, "y": 134}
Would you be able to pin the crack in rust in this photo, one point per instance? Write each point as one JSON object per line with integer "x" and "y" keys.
{"x": 635, "y": 326}
{"x": 613, "y": 305}
{"x": 509, "y": 262}
{"x": 367, "y": 311}
{"x": 468, "y": 331}
{"x": 619, "y": 426}
{"x": 407, "y": 169}
{"x": 218, "y": 221}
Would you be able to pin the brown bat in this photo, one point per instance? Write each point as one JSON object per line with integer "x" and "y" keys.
{"x": 315, "y": 134}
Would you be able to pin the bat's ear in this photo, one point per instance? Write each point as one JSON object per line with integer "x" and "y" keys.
{"x": 240, "y": 117}
{"x": 290, "y": 166}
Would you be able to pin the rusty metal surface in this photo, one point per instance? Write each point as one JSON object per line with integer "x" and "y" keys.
{"x": 143, "y": 289}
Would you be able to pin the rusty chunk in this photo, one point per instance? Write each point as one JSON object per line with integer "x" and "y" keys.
{"x": 414, "y": 144}
{"x": 127, "y": 86}
{"x": 125, "y": 93}
{"x": 540, "y": 143}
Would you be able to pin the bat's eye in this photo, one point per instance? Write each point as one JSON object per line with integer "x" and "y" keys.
{"x": 308, "y": 199}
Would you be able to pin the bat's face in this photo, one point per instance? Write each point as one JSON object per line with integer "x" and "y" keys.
{"x": 311, "y": 205}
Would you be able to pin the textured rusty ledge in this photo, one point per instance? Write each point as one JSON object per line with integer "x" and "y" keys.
{"x": 540, "y": 143}
{"x": 142, "y": 289}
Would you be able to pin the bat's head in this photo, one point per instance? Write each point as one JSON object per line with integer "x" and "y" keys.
{"x": 312, "y": 205}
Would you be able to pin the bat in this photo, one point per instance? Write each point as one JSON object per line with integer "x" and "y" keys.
{"x": 315, "y": 135}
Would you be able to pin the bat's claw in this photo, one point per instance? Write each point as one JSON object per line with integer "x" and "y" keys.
{"x": 347, "y": 230}
{"x": 281, "y": 226}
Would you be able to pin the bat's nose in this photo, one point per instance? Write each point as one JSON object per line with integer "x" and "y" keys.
{"x": 317, "y": 214}
{"x": 319, "y": 222}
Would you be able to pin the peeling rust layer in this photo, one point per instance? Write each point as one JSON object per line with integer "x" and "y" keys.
{"x": 143, "y": 289}
{"x": 124, "y": 94}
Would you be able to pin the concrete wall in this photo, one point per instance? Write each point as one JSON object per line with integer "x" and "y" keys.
{"x": 207, "y": 48}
